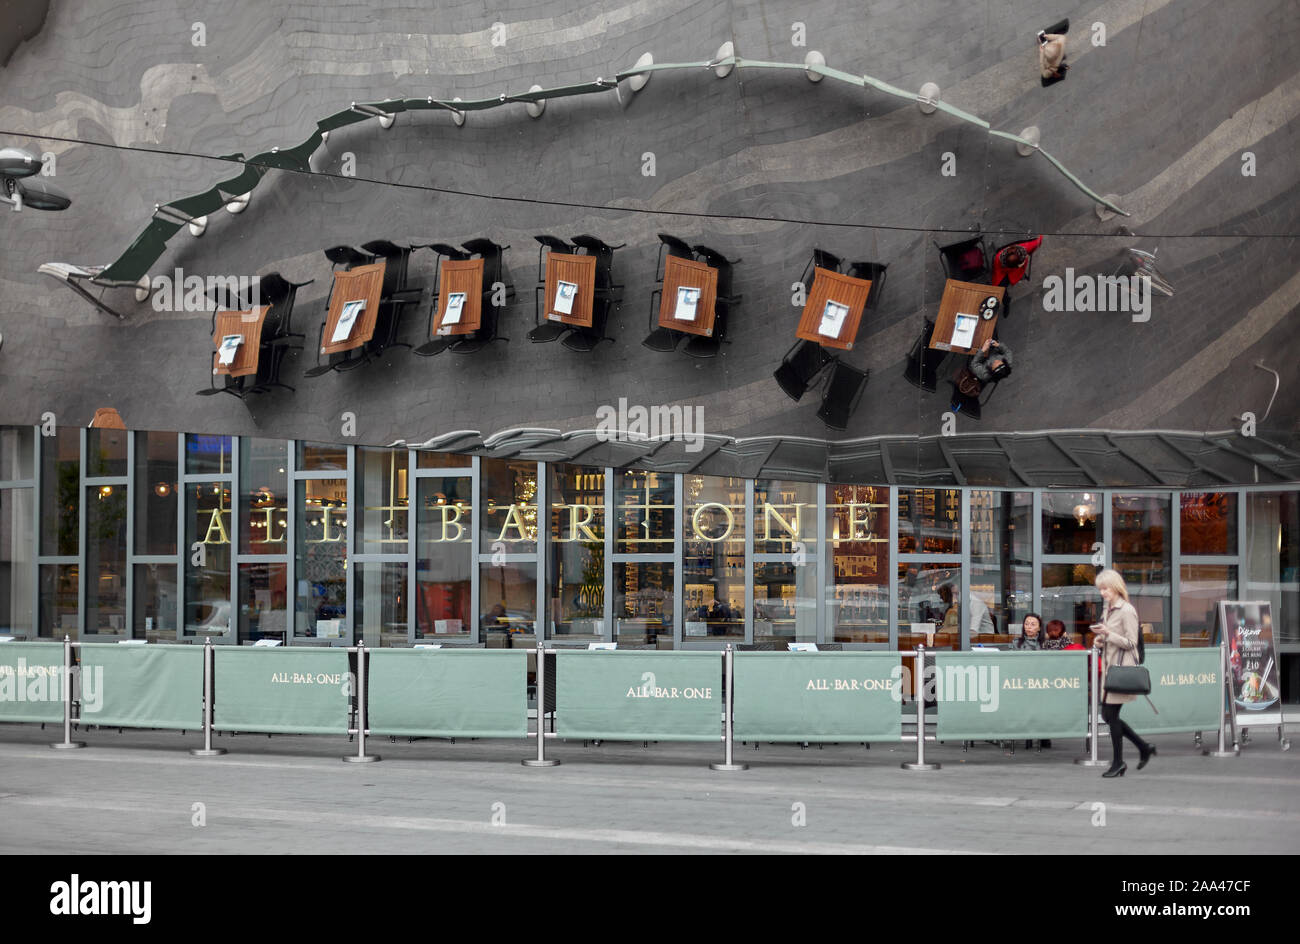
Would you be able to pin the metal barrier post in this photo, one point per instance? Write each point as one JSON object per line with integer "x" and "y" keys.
{"x": 1223, "y": 750}
{"x": 207, "y": 750}
{"x": 919, "y": 693}
{"x": 67, "y": 743}
{"x": 728, "y": 675}
{"x": 541, "y": 759}
{"x": 361, "y": 757}
{"x": 1093, "y": 685}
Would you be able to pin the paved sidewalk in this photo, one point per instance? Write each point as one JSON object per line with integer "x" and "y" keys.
{"x": 136, "y": 792}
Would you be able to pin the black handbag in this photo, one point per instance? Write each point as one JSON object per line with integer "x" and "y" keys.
{"x": 1128, "y": 680}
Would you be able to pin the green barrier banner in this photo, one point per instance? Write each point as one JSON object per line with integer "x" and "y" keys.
{"x": 997, "y": 694}
{"x": 817, "y": 696}
{"x": 1186, "y": 688}
{"x": 638, "y": 696}
{"x": 31, "y": 676}
{"x": 142, "y": 686}
{"x": 448, "y": 692}
{"x": 297, "y": 690}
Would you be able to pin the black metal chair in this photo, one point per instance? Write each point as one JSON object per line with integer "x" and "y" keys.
{"x": 821, "y": 259}
{"x": 443, "y": 249}
{"x": 704, "y": 346}
{"x": 549, "y": 244}
{"x": 801, "y": 364}
{"x": 672, "y": 246}
{"x": 923, "y": 362}
{"x": 489, "y": 322}
{"x": 663, "y": 340}
{"x": 966, "y": 261}
{"x": 281, "y": 294}
{"x": 843, "y": 391}
{"x": 875, "y": 273}
{"x": 347, "y": 256}
{"x": 584, "y": 340}
{"x": 604, "y": 254}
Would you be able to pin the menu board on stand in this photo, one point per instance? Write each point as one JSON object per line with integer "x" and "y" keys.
{"x": 1254, "y": 678}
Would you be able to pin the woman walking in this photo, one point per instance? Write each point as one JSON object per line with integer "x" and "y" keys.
{"x": 1117, "y": 635}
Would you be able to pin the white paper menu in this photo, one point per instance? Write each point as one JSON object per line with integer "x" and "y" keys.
{"x": 346, "y": 320}
{"x": 565, "y": 293}
{"x": 687, "y": 298}
{"x": 963, "y": 332}
{"x": 229, "y": 348}
{"x": 833, "y": 319}
{"x": 455, "y": 304}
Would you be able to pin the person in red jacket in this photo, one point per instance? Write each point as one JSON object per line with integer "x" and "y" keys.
{"x": 1011, "y": 263}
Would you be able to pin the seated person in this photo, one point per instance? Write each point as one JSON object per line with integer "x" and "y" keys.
{"x": 1057, "y": 638}
{"x": 992, "y": 361}
{"x": 1010, "y": 263}
{"x": 1030, "y": 630}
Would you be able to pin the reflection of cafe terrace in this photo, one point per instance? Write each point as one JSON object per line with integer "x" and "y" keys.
{"x": 108, "y": 534}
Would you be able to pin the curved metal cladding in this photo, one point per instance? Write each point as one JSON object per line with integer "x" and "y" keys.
{"x": 826, "y": 143}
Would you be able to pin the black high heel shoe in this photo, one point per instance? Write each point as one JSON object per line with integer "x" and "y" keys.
{"x": 1116, "y": 771}
{"x": 1146, "y": 756}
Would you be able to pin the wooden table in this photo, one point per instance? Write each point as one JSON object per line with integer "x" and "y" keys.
{"x": 248, "y": 325}
{"x": 830, "y": 286}
{"x": 361, "y": 283}
{"x": 964, "y": 297}
{"x": 687, "y": 273}
{"x": 580, "y": 270}
{"x": 460, "y": 275}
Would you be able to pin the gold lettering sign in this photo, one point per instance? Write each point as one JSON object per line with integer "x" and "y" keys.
{"x": 217, "y": 524}
{"x": 791, "y": 527}
{"x": 695, "y": 522}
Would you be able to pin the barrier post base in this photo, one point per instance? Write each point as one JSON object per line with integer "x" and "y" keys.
{"x": 1089, "y": 762}
{"x": 1209, "y": 753}
{"x": 728, "y": 766}
{"x": 361, "y": 758}
{"x": 207, "y": 751}
{"x": 913, "y": 765}
{"x": 68, "y": 745}
{"x": 534, "y": 762}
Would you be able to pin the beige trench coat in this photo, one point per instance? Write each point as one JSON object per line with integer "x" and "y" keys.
{"x": 1121, "y": 622}
{"x": 1051, "y": 54}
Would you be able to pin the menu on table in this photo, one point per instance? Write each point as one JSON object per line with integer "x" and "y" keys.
{"x": 455, "y": 304}
{"x": 687, "y": 299}
{"x": 963, "y": 331}
{"x": 833, "y": 319}
{"x": 229, "y": 348}
{"x": 351, "y": 310}
{"x": 565, "y": 293}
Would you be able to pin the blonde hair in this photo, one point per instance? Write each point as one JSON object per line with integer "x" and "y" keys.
{"x": 1111, "y": 580}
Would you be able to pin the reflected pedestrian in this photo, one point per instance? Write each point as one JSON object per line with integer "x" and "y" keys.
{"x": 1051, "y": 53}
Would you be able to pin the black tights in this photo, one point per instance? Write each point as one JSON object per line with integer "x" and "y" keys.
{"x": 1119, "y": 730}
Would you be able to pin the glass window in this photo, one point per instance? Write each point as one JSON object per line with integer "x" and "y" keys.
{"x": 443, "y": 565}
{"x": 264, "y": 496}
{"x": 1273, "y": 547}
{"x": 59, "y": 600}
{"x": 263, "y": 596}
{"x": 715, "y": 557}
{"x": 1069, "y": 595}
{"x": 17, "y": 451}
{"x": 858, "y": 533}
{"x": 1200, "y": 588}
{"x": 60, "y": 491}
{"x": 577, "y": 552}
{"x": 644, "y": 507}
{"x": 320, "y": 525}
{"x": 207, "y": 585}
{"x": 643, "y": 604}
{"x": 441, "y": 460}
{"x": 381, "y": 492}
{"x": 157, "y": 472}
{"x": 1208, "y": 522}
{"x": 508, "y": 603}
{"x": 17, "y": 558}
{"x": 208, "y": 455}
{"x": 381, "y": 602}
{"x": 929, "y": 593}
{"x": 929, "y": 521}
{"x": 105, "y": 453}
{"x": 322, "y": 457}
{"x": 1002, "y": 567}
{"x": 155, "y": 602}
{"x": 785, "y": 514}
{"x": 508, "y": 505}
{"x": 1072, "y": 522}
{"x": 106, "y": 559}
{"x": 1140, "y": 535}
{"x": 785, "y": 601}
